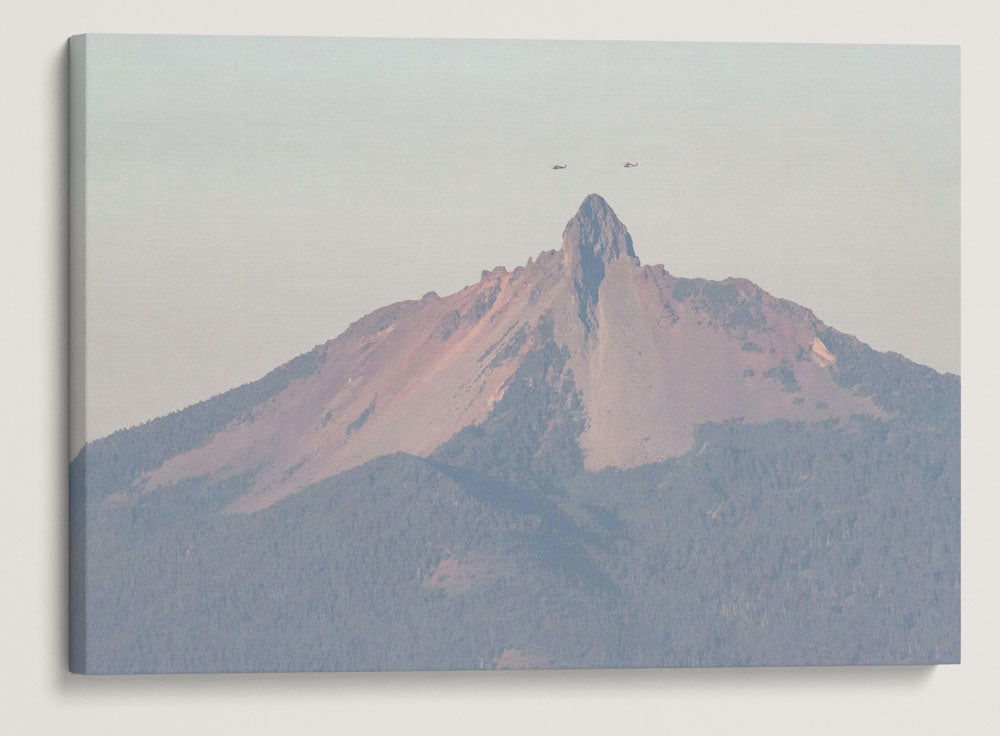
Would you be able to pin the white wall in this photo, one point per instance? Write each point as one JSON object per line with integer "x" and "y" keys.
{"x": 38, "y": 695}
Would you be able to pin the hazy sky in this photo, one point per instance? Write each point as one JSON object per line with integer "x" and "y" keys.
{"x": 248, "y": 198}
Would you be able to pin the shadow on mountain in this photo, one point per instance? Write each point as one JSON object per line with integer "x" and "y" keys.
{"x": 557, "y": 542}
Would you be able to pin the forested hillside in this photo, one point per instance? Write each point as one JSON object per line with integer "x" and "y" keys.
{"x": 767, "y": 543}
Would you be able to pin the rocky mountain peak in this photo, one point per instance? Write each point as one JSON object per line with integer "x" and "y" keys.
{"x": 593, "y": 239}
{"x": 595, "y": 234}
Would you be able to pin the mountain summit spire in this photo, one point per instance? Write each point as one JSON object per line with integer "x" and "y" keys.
{"x": 592, "y": 239}
{"x": 596, "y": 234}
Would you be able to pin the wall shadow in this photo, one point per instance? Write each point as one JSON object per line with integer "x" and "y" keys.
{"x": 59, "y": 89}
{"x": 902, "y": 678}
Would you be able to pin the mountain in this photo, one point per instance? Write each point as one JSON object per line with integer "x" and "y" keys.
{"x": 581, "y": 462}
{"x": 652, "y": 357}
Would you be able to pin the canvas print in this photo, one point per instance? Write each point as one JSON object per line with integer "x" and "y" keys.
{"x": 465, "y": 354}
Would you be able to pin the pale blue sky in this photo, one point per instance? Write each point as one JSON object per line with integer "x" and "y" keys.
{"x": 249, "y": 197}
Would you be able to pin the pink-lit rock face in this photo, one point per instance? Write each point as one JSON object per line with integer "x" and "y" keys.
{"x": 651, "y": 355}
